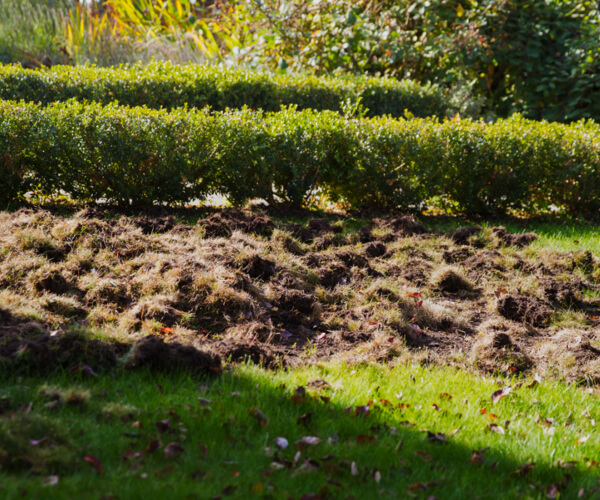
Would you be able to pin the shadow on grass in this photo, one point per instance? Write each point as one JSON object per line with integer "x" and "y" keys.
{"x": 368, "y": 446}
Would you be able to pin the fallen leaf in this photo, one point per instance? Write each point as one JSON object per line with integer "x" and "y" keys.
{"x": 536, "y": 380}
{"x": 524, "y": 469}
{"x": 417, "y": 329}
{"x": 496, "y": 428}
{"x": 258, "y": 488}
{"x": 304, "y": 419}
{"x": 423, "y": 486}
{"x": 498, "y": 395}
{"x": 281, "y": 442}
{"x": 88, "y": 371}
{"x": 477, "y": 458}
{"x": 173, "y": 450}
{"x": 364, "y": 438}
{"x": 95, "y": 463}
{"x": 163, "y": 425}
{"x": 582, "y": 440}
{"x": 153, "y": 446}
{"x": 422, "y": 454}
{"x": 552, "y": 491}
{"x": 260, "y": 417}
{"x": 445, "y": 395}
{"x": 435, "y": 407}
{"x": 308, "y": 441}
{"x": 166, "y": 330}
{"x": 437, "y": 437}
{"x": 50, "y": 481}
{"x": 566, "y": 465}
{"x": 228, "y": 490}
{"x": 129, "y": 454}
{"x": 37, "y": 442}
{"x": 362, "y": 411}
{"x": 299, "y": 396}
{"x": 26, "y": 408}
{"x": 415, "y": 295}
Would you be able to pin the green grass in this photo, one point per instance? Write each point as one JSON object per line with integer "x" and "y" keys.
{"x": 227, "y": 450}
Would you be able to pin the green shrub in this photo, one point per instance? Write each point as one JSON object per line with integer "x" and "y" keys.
{"x": 163, "y": 85}
{"x": 142, "y": 156}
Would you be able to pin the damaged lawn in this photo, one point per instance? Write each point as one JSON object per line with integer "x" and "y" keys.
{"x": 318, "y": 432}
{"x": 190, "y": 289}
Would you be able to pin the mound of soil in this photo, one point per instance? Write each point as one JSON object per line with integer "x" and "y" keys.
{"x": 27, "y": 346}
{"x": 242, "y": 353}
{"x": 525, "y": 310}
{"x": 156, "y": 354}
{"x": 374, "y": 250}
{"x": 458, "y": 255}
{"x": 488, "y": 260}
{"x": 223, "y": 224}
{"x": 149, "y": 225}
{"x": 561, "y": 293}
{"x": 463, "y": 235}
{"x": 406, "y": 225}
{"x": 258, "y": 268}
{"x": 513, "y": 240}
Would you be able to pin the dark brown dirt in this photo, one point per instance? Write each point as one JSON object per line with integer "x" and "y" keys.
{"x": 224, "y": 223}
{"x": 374, "y": 250}
{"x": 154, "y": 353}
{"x": 26, "y": 346}
{"x": 149, "y": 225}
{"x": 458, "y": 255}
{"x": 310, "y": 291}
{"x": 487, "y": 260}
{"x": 463, "y": 235}
{"x": 562, "y": 293}
{"x": 513, "y": 240}
{"x": 259, "y": 268}
{"x": 525, "y": 310}
{"x": 406, "y": 225}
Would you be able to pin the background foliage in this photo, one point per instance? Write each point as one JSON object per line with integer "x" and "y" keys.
{"x": 540, "y": 58}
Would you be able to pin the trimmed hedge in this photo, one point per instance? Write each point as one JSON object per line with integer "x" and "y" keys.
{"x": 141, "y": 156}
{"x": 163, "y": 85}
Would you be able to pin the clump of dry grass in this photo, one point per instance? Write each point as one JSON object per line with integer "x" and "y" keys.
{"x": 496, "y": 348}
{"x": 571, "y": 353}
{"x": 73, "y": 396}
{"x": 451, "y": 279}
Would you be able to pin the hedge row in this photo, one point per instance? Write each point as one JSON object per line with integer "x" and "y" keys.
{"x": 136, "y": 155}
{"x": 163, "y": 85}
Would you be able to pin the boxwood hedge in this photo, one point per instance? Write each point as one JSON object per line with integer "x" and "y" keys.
{"x": 163, "y": 85}
{"x": 142, "y": 156}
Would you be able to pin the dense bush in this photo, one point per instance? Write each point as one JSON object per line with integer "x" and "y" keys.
{"x": 540, "y": 58}
{"x": 162, "y": 85}
{"x": 136, "y": 155}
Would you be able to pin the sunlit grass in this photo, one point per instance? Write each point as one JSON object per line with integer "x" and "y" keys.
{"x": 384, "y": 432}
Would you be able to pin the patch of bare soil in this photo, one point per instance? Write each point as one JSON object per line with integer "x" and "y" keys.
{"x": 100, "y": 290}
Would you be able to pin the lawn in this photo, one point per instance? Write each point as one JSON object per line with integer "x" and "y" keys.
{"x": 323, "y": 431}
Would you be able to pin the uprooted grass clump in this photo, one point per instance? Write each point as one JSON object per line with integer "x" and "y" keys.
{"x": 191, "y": 290}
